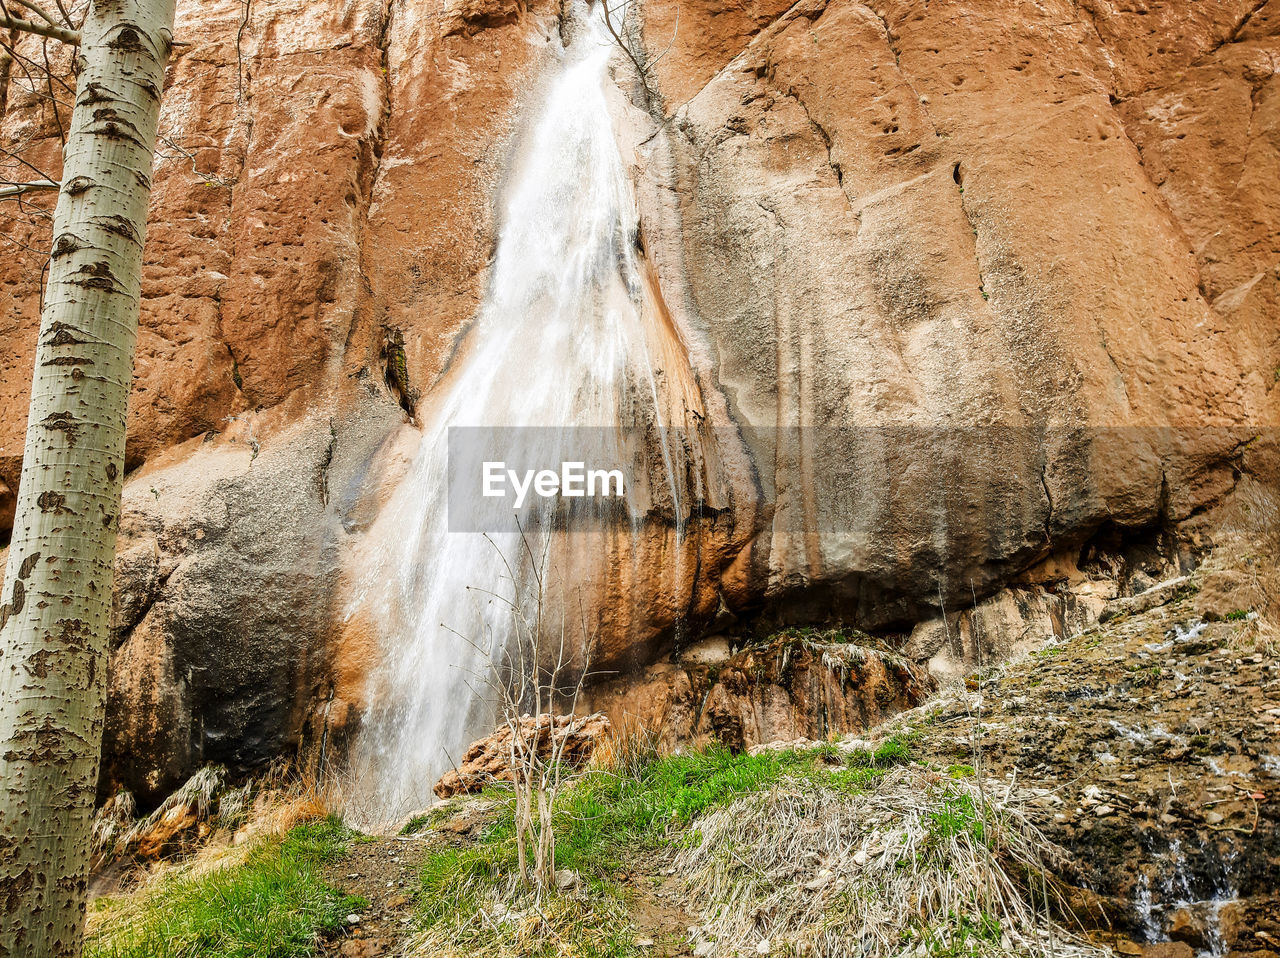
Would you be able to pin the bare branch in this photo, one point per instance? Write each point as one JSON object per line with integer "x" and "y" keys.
{"x": 9, "y": 190}
{"x": 48, "y": 79}
{"x": 211, "y": 179}
{"x": 654, "y": 62}
{"x": 17, "y": 157}
{"x": 23, "y": 61}
{"x": 616, "y": 33}
{"x": 244, "y": 23}
{"x": 51, "y": 30}
{"x": 65, "y": 15}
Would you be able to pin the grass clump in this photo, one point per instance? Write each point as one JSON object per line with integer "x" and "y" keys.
{"x": 892, "y": 751}
{"x": 425, "y": 820}
{"x": 956, "y": 815}
{"x": 272, "y": 904}
{"x": 961, "y": 935}
{"x": 918, "y": 865}
{"x": 617, "y": 810}
{"x": 416, "y": 824}
{"x": 864, "y": 767}
{"x": 853, "y": 780}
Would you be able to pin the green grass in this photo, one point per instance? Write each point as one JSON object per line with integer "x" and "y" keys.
{"x": 956, "y": 816}
{"x": 1237, "y": 615}
{"x": 415, "y": 824}
{"x": 854, "y": 780}
{"x": 602, "y": 822}
{"x": 607, "y": 815}
{"x": 863, "y": 769}
{"x": 962, "y": 936}
{"x": 893, "y": 751}
{"x": 270, "y": 906}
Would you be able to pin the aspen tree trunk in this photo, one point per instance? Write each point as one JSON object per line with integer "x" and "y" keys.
{"x": 56, "y": 603}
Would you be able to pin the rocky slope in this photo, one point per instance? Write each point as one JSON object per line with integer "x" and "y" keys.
{"x": 1148, "y": 749}
{"x": 1012, "y": 269}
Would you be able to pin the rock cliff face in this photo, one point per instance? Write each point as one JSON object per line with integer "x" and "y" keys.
{"x": 1001, "y": 275}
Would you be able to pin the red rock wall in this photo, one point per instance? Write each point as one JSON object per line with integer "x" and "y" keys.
{"x": 1050, "y": 218}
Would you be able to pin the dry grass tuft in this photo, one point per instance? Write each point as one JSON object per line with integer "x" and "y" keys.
{"x": 627, "y": 750}
{"x": 917, "y": 865}
{"x": 182, "y": 817}
{"x": 507, "y": 923}
{"x": 1243, "y": 571}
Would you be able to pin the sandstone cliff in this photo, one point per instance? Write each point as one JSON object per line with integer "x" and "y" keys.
{"x": 1013, "y": 266}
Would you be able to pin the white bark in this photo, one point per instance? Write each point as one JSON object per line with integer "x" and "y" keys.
{"x": 55, "y": 606}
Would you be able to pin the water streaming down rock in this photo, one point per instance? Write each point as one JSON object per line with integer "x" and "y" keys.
{"x": 1172, "y": 896}
{"x": 565, "y": 340}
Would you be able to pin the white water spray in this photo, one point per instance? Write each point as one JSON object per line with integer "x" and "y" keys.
{"x": 563, "y": 340}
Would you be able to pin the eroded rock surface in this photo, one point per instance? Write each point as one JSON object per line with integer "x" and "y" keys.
{"x": 795, "y": 685}
{"x": 1010, "y": 269}
{"x": 569, "y": 739}
{"x": 1151, "y": 744}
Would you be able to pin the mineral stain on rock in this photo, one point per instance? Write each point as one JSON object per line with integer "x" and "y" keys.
{"x": 1020, "y": 260}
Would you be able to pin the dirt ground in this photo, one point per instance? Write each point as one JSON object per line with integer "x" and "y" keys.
{"x": 383, "y": 871}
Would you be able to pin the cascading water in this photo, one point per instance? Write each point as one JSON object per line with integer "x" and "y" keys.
{"x": 1178, "y": 889}
{"x": 563, "y": 341}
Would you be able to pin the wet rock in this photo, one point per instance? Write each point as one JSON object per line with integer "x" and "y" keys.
{"x": 223, "y": 650}
{"x": 1132, "y": 605}
{"x": 1251, "y": 923}
{"x": 1190, "y": 926}
{"x": 713, "y": 650}
{"x": 1168, "y": 949}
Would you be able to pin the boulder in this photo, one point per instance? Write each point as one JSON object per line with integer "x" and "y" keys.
{"x": 489, "y": 759}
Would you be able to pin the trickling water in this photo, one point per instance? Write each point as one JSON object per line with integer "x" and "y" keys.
{"x": 563, "y": 340}
{"x": 1175, "y": 890}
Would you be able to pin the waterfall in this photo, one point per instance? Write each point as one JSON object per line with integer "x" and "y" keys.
{"x": 563, "y": 341}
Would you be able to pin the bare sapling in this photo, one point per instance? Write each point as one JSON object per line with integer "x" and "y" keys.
{"x": 537, "y": 678}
